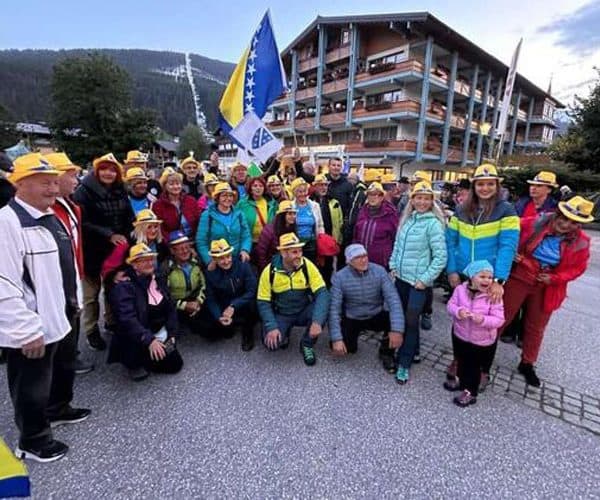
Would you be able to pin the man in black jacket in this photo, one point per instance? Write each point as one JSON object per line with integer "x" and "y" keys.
{"x": 340, "y": 187}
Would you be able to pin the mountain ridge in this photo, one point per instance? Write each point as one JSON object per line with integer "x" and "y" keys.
{"x": 159, "y": 82}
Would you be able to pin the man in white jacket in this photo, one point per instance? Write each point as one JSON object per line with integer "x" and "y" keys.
{"x": 37, "y": 295}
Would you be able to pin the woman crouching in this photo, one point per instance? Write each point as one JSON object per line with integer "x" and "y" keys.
{"x": 146, "y": 319}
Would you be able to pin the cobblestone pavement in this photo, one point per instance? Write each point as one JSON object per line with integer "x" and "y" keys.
{"x": 263, "y": 425}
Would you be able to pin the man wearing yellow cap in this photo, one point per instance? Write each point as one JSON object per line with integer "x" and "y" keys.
{"x": 291, "y": 292}
{"x": 69, "y": 214}
{"x": 136, "y": 182}
{"x": 38, "y": 286}
{"x": 138, "y": 159}
{"x": 540, "y": 199}
{"x": 553, "y": 250}
{"x": 192, "y": 181}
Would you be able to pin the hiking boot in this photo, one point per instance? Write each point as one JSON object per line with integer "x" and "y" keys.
{"x": 308, "y": 353}
{"x": 402, "y": 375}
{"x": 527, "y": 370}
{"x": 426, "y": 323}
{"x": 387, "y": 360}
{"x": 464, "y": 399}
{"x": 484, "y": 381}
{"x": 452, "y": 385}
{"x": 71, "y": 416}
{"x": 138, "y": 374}
{"x": 95, "y": 341}
{"x": 80, "y": 367}
{"x": 48, "y": 452}
{"x": 247, "y": 340}
{"x": 451, "y": 370}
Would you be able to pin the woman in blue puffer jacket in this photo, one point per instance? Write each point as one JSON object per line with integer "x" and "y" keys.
{"x": 418, "y": 257}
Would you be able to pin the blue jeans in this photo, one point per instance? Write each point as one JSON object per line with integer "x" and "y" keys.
{"x": 286, "y": 322}
{"x": 413, "y": 301}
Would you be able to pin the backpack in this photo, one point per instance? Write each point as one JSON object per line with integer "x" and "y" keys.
{"x": 303, "y": 268}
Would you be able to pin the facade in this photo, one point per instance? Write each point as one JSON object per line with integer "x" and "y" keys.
{"x": 391, "y": 90}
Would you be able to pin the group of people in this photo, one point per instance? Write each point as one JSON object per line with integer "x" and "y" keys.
{"x": 289, "y": 248}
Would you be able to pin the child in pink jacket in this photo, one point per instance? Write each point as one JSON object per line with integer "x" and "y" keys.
{"x": 475, "y": 327}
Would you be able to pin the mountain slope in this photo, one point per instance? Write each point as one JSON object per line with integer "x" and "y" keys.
{"x": 159, "y": 83}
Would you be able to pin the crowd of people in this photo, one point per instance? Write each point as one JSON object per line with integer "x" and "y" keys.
{"x": 196, "y": 253}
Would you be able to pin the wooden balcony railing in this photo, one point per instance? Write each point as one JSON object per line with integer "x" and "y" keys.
{"x": 389, "y": 69}
{"x": 386, "y": 107}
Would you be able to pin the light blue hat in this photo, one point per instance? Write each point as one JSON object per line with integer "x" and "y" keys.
{"x": 477, "y": 266}
{"x": 354, "y": 250}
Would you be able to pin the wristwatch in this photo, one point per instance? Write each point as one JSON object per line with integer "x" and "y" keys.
{"x": 499, "y": 281}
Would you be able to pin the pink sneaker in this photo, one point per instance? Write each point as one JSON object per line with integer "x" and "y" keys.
{"x": 465, "y": 399}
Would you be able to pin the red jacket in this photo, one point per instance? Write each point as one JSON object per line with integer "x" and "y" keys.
{"x": 574, "y": 257}
{"x": 71, "y": 215}
{"x": 168, "y": 213}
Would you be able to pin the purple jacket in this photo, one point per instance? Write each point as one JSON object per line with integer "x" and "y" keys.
{"x": 466, "y": 329}
{"x": 377, "y": 232}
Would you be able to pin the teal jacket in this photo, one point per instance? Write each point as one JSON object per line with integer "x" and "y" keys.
{"x": 213, "y": 227}
{"x": 419, "y": 252}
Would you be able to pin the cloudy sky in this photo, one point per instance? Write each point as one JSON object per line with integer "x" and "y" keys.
{"x": 561, "y": 37}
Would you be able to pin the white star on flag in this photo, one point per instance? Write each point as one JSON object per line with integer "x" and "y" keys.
{"x": 250, "y": 83}
{"x": 255, "y": 41}
{"x": 251, "y": 69}
{"x": 249, "y": 95}
{"x": 252, "y": 55}
{"x": 249, "y": 107}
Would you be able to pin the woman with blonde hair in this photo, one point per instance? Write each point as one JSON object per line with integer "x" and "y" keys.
{"x": 418, "y": 257}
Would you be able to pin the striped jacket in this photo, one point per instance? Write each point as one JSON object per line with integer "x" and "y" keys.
{"x": 494, "y": 238}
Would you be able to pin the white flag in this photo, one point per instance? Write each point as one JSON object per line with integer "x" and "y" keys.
{"x": 508, "y": 89}
{"x": 255, "y": 137}
{"x": 361, "y": 171}
{"x": 242, "y": 156}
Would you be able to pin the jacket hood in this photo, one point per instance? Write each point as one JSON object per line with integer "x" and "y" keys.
{"x": 91, "y": 182}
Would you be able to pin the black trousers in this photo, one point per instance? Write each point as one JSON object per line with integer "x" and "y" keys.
{"x": 244, "y": 318}
{"x": 472, "y": 360}
{"x": 352, "y": 328}
{"x": 428, "y": 307}
{"x": 42, "y": 388}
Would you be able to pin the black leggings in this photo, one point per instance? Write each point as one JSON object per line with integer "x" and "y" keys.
{"x": 472, "y": 360}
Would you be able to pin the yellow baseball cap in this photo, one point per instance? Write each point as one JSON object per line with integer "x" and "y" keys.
{"x": 31, "y": 164}
{"x": 60, "y": 161}
{"x": 140, "y": 251}
{"x": 220, "y": 248}
{"x": 289, "y": 240}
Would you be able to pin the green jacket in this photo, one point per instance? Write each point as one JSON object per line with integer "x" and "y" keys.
{"x": 248, "y": 208}
{"x": 182, "y": 289}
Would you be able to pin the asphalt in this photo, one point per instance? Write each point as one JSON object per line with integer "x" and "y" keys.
{"x": 263, "y": 425}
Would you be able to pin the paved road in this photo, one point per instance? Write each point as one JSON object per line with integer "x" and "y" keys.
{"x": 262, "y": 425}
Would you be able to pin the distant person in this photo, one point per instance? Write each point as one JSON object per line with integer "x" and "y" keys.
{"x": 239, "y": 176}
{"x": 136, "y": 182}
{"x": 275, "y": 189}
{"x": 210, "y": 181}
{"x": 258, "y": 209}
{"x": 340, "y": 188}
{"x": 38, "y": 287}
{"x": 540, "y": 199}
{"x": 192, "y": 181}
{"x": 309, "y": 219}
{"x": 291, "y": 292}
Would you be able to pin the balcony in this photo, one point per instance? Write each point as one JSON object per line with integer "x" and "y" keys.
{"x": 387, "y": 108}
{"x": 307, "y": 64}
{"x": 337, "y": 53}
{"x": 383, "y": 70}
{"x": 306, "y": 93}
{"x": 335, "y": 86}
{"x": 458, "y": 121}
{"x": 403, "y": 145}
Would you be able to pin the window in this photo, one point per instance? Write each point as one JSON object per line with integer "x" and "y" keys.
{"x": 395, "y": 57}
{"x": 345, "y": 39}
{"x": 345, "y": 136}
{"x": 315, "y": 139}
{"x": 380, "y": 134}
{"x": 395, "y": 96}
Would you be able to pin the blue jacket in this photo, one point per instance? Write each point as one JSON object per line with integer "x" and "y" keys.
{"x": 419, "y": 252}
{"x": 361, "y": 296}
{"x": 235, "y": 287}
{"x": 494, "y": 238}
{"x": 548, "y": 206}
{"x": 212, "y": 227}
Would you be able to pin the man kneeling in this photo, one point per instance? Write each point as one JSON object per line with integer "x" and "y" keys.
{"x": 230, "y": 292}
{"x": 291, "y": 292}
{"x": 359, "y": 294}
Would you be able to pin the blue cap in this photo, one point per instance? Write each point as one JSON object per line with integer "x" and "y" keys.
{"x": 477, "y": 266}
{"x": 176, "y": 237}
